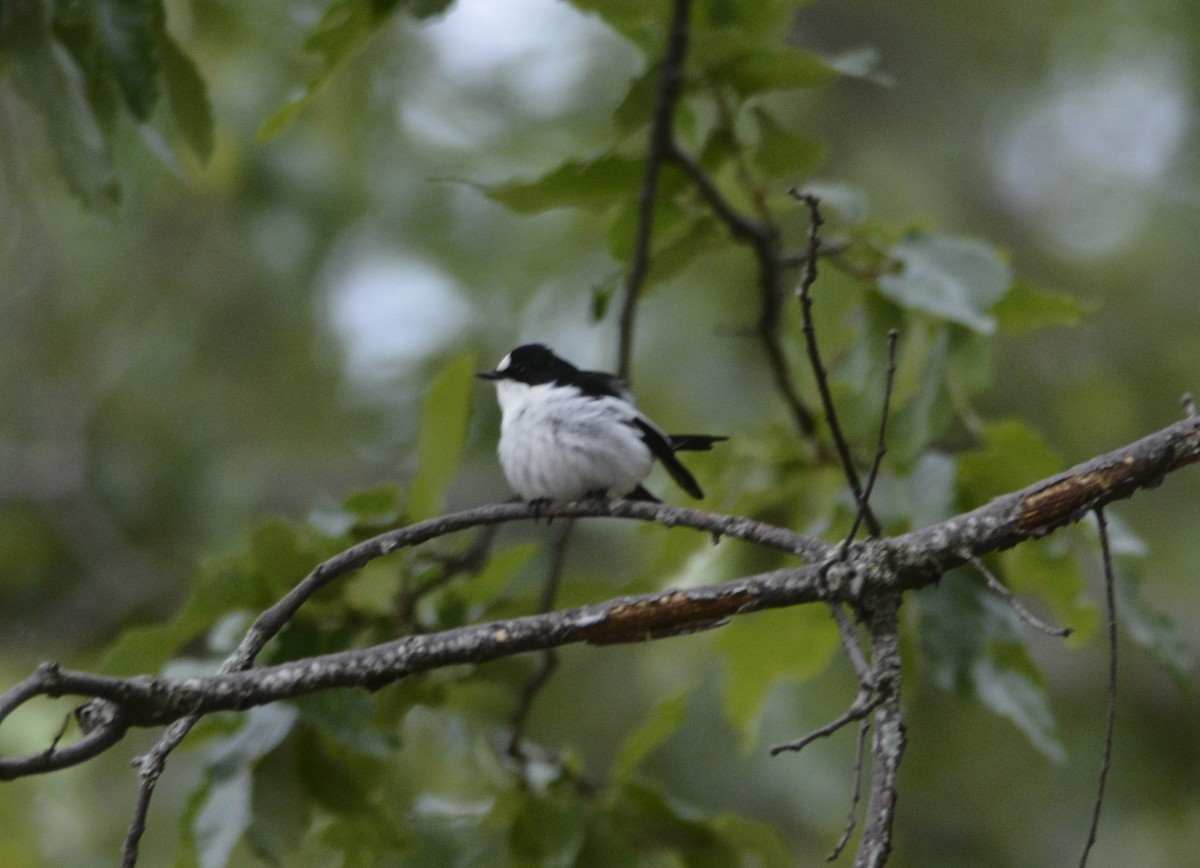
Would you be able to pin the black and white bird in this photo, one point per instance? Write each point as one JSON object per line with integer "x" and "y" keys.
{"x": 566, "y": 434}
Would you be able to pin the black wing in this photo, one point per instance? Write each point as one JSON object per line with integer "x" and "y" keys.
{"x": 597, "y": 384}
{"x": 660, "y": 446}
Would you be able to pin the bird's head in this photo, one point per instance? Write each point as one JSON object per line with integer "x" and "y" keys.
{"x": 532, "y": 364}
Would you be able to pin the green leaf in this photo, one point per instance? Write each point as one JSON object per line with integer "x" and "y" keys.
{"x": 48, "y": 78}
{"x": 281, "y": 555}
{"x": 669, "y": 219}
{"x": 1016, "y": 692}
{"x": 486, "y": 586}
{"x": 642, "y": 22}
{"x": 925, "y": 413}
{"x": 1153, "y": 631}
{"x": 645, "y": 815}
{"x": 653, "y": 733}
{"x": 548, "y": 831}
{"x": 347, "y": 718}
{"x": 1026, "y": 308}
{"x": 1012, "y": 455}
{"x": 607, "y": 180}
{"x": 222, "y": 586}
{"x": 126, "y": 33}
{"x": 637, "y": 106}
{"x": 763, "y": 18}
{"x": 225, "y": 814}
{"x": 339, "y": 36}
{"x": 782, "y": 152}
{"x": 751, "y": 67}
{"x": 187, "y": 95}
{"x": 957, "y": 279}
{"x": 374, "y": 507}
{"x": 445, "y": 413}
{"x": 931, "y": 489}
{"x": 768, "y": 647}
{"x": 971, "y": 642}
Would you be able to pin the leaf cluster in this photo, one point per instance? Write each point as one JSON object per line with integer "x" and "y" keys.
{"x": 86, "y": 65}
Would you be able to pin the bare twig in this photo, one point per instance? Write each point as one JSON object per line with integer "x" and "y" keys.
{"x": 850, "y": 645}
{"x": 814, "y": 356}
{"x": 864, "y": 703}
{"x": 469, "y": 561}
{"x": 1110, "y": 726}
{"x": 670, "y": 82}
{"x": 534, "y": 684}
{"x": 999, "y": 589}
{"x": 881, "y": 442}
{"x": 860, "y": 749}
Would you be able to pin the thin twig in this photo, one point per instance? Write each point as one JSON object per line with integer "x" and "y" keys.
{"x": 549, "y": 661}
{"x": 763, "y": 238}
{"x": 850, "y": 645}
{"x": 814, "y": 355}
{"x": 860, "y": 749}
{"x": 670, "y": 83}
{"x": 881, "y": 442}
{"x": 468, "y": 562}
{"x": 1001, "y": 590}
{"x": 1111, "y": 602}
{"x": 866, "y": 702}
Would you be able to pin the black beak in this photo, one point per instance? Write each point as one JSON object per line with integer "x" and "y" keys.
{"x": 490, "y": 375}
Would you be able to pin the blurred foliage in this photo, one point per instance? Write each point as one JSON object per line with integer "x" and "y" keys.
{"x": 241, "y": 253}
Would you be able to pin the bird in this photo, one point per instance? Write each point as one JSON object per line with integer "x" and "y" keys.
{"x": 568, "y": 434}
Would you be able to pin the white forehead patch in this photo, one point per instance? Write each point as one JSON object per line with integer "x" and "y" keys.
{"x": 504, "y": 363}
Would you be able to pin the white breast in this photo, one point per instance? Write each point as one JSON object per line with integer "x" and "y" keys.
{"x": 556, "y": 443}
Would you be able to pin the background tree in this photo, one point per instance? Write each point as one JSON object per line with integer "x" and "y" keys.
{"x": 1004, "y": 123}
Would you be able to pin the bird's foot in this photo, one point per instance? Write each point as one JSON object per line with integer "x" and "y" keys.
{"x": 538, "y": 504}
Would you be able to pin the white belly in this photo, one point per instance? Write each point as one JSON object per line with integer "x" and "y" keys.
{"x": 568, "y": 448}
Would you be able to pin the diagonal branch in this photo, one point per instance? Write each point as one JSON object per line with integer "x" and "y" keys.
{"x": 1043, "y": 507}
{"x": 549, "y": 662}
{"x": 763, "y": 238}
{"x": 269, "y": 623}
{"x": 156, "y": 701}
{"x": 818, "y": 366}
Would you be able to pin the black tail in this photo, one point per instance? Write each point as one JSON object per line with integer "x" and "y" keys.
{"x": 693, "y": 442}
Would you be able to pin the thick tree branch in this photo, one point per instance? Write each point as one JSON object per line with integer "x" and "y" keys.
{"x": 156, "y": 701}
{"x": 1040, "y": 508}
{"x": 889, "y": 741}
{"x": 870, "y": 576}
